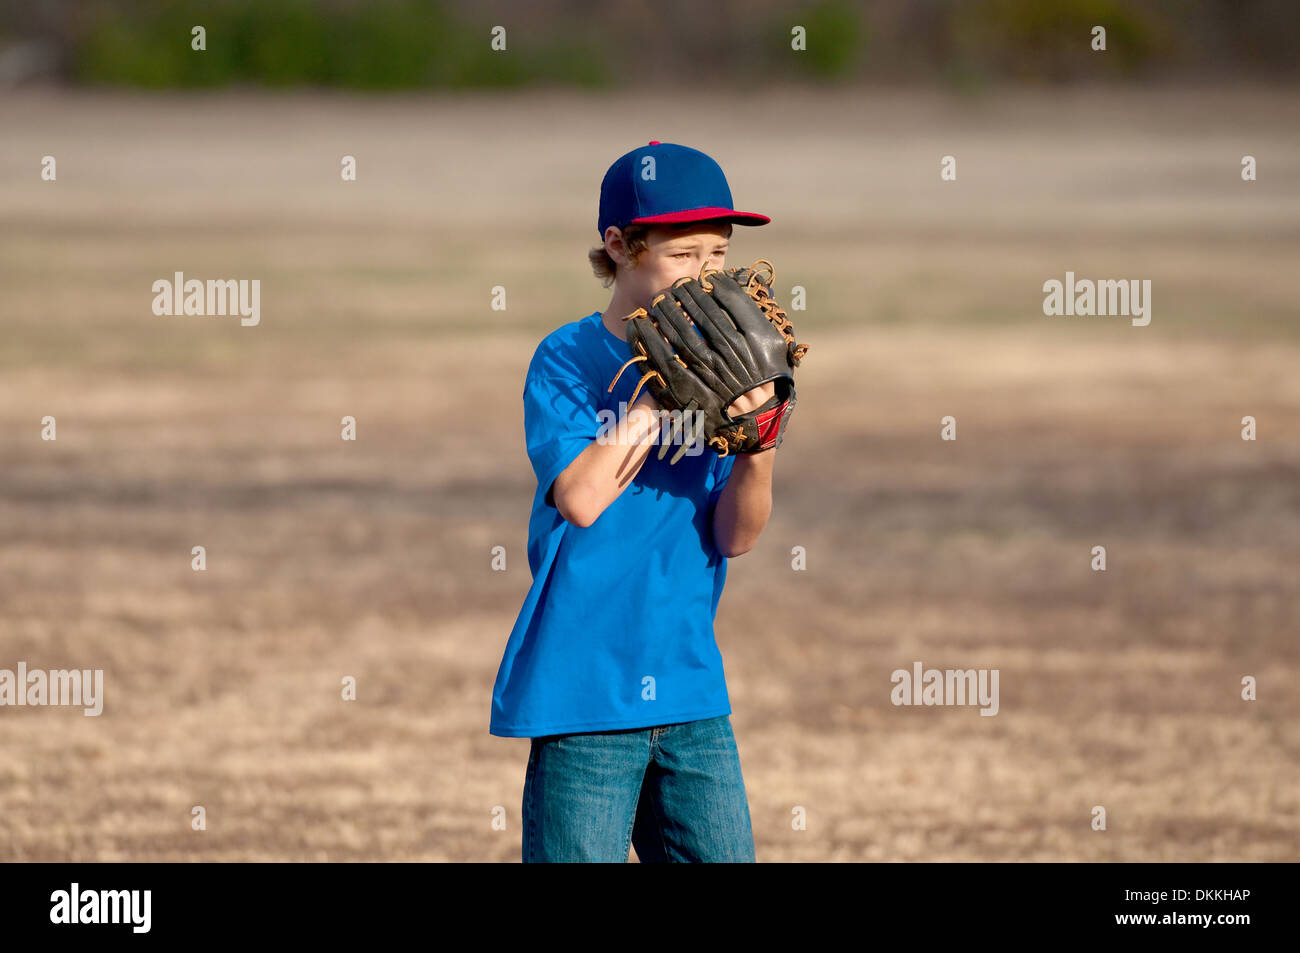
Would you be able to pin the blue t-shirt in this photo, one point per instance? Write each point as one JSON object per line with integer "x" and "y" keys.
{"x": 617, "y": 628}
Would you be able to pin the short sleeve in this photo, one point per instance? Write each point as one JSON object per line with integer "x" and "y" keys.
{"x": 560, "y": 421}
{"x": 722, "y": 467}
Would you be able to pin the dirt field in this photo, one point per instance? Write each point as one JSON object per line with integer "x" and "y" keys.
{"x": 372, "y": 559}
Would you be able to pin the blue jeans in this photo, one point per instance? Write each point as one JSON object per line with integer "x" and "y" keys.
{"x": 674, "y": 791}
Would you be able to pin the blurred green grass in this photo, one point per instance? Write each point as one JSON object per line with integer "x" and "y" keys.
{"x": 382, "y": 45}
{"x": 411, "y": 44}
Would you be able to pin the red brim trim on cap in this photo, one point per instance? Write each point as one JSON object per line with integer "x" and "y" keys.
{"x": 702, "y": 215}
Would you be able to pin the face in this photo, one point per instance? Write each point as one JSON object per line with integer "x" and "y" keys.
{"x": 671, "y": 253}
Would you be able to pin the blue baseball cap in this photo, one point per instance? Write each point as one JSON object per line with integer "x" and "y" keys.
{"x": 666, "y": 184}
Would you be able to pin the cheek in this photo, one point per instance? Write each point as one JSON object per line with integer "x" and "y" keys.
{"x": 665, "y": 272}
{"x": 649, "y": 282}
{"x": 688, "y": 267}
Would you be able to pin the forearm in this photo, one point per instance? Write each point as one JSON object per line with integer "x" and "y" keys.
{"x": 745, "y": 503}
{"x": 605, "y": 469}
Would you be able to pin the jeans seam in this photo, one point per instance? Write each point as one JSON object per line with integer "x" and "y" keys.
{"x": 637, "y": 806}
{"x": 530, "y": 822}
{"x": 627, "y": 841}
{"x": 659, "y": 831}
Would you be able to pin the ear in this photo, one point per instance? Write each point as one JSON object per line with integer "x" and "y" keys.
{"x": 614, "y": 246}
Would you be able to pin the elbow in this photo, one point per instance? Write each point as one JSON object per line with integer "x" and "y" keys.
{"x": 731, "y": 549}
{"x": 732, "y": 540}
{"x": 579, "y": 517}
{"x": 574, "y": 505}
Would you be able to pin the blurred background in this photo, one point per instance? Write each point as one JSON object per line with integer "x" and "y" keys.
{"x": 479, "y": 168}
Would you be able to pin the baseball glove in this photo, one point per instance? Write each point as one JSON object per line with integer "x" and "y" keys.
{"x": 707, "y": 340}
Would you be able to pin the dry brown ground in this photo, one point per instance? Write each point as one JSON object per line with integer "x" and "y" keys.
{"x": 372, "y": 558}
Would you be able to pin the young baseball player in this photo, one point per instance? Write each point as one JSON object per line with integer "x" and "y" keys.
{"x": 612, "y": 668}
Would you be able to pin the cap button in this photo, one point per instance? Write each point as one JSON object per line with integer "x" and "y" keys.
{"x": 654, "y": 142}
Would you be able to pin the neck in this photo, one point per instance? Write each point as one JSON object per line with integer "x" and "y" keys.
{"x": 619, "y": 306}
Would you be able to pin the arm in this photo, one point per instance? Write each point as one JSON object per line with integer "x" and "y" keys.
{"x": 602, "y": 471}
{"x": 746, "y": 501}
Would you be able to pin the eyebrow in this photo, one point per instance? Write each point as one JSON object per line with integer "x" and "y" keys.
{"x": 683, "y": 244}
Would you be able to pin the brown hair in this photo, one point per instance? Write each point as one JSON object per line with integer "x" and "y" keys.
{"x": 605, "y": 267}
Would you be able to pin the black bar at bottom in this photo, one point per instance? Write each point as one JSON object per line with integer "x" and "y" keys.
{"x": 1222, "y": 902}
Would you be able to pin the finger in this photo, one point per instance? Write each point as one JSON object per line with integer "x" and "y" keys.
{"x": 746, "y": 313}
{"x": 674, "y": 422}
{"x": 717, "y": 325}
{"x": 675, "y": 327}
{"x": 771, "y": 348}
{"x": 699, "y": 343}
{"x": 691, "y": 432}
{"x": 683, "y": 380}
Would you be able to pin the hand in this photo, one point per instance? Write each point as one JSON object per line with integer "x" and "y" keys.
{"x": 752, "y": 399}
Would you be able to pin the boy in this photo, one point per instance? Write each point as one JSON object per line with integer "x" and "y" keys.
{"x": 612, "y": 668}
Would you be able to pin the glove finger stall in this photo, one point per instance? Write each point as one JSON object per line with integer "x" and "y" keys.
{"x": 718, "y": 328}
{"x": 676, "y": 327}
